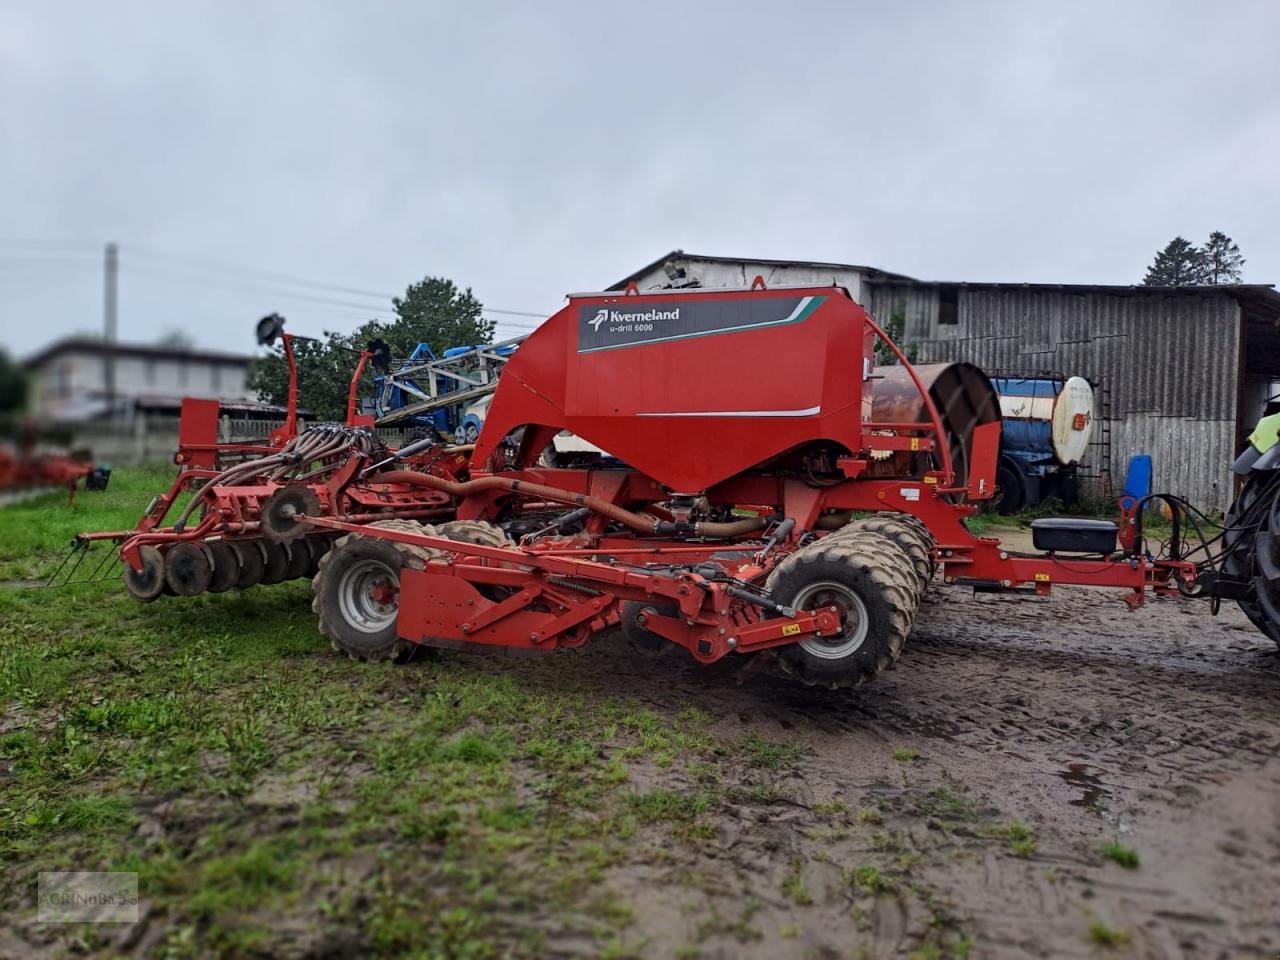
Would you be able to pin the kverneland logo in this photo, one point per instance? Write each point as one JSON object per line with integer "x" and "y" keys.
{"x": 632, "y": 316}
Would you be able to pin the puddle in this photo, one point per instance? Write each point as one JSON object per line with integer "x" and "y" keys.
{"x": 1084, "y": 777}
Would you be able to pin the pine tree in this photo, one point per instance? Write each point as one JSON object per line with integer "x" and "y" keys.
{"x": 1222, "y": 260}
{"x": 1179, "y": 264}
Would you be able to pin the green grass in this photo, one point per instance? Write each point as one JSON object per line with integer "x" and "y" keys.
{"x": 34, "y": 533}
{"x": 1105, "y": 936}
{"x": 1021, "y": 840}
{"x": 871, "y": 880}
{"x": 906, "y": 755}
{"x": 454, "y": 807}
{"x": 794, "y": 886}
{"x": 1126, "y": 857}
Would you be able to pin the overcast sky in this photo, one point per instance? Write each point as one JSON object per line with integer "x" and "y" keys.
{"x": 529, "y": 150}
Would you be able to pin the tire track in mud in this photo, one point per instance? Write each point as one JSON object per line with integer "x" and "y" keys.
{"x": 1159, "y": 728}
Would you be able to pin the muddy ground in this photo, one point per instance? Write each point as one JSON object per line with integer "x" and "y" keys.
{"x": 1158, "y": 729}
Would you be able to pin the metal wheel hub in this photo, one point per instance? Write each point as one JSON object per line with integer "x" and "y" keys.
{"x": 368, "y": 595}
{"x": 854, "y": 620}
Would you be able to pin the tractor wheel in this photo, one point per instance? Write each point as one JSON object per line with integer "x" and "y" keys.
{"x": 1249, "y": 545}
{"x": 188, "y": 569}
{"x": 631, "y": 621}
{"x": 1013, "y": 492}
{"x": 226, "y": 566}
{"x": 474, "y": 531}
{"x": 357, "y": 592}
{"x": 875, "y": 603}
{"x": 893, "y": 559}
{"x": 148, "y": 584}
{"x": 919, "y": 552}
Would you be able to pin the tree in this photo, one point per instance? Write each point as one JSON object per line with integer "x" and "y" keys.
{"x": 433, "y": 311}
{"x": 1179, "y": 264}
{"x": 13, "y": 385}
{"x": 1222, "y": 260}
{"x": 895, "y": 327}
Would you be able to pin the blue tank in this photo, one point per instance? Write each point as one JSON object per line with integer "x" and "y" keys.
{"x": 1047, "y": 420}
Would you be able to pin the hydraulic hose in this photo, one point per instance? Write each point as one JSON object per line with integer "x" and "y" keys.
{"x": 639, "y": 522}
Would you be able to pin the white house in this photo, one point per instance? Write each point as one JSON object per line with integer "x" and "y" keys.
{"x": 69, "y": 378}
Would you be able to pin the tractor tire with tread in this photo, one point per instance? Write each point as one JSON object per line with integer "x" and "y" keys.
{"x": 341, "y": 609}
{"x": 355, "y": 619}
{"x": 892, "y": 556}
{"x": 907, "y": 538}
{"x": 878, "y": 604}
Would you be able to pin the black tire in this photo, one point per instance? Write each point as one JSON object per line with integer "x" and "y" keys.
{"x": 474, "y": 531}
{"x": 907, "y": 538}
{"x": 357, "y": 590}
{"x": 1249, "y": 525}
{"x": 1069, "y": 489}
{"x": 641, "y": 639}
{"x": 877, "y": 606}
{"x": 367, "y": 631}
{"x": 1013, "y": 491}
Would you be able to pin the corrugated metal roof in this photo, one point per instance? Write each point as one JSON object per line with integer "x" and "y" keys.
{"x": 756, "y": 261}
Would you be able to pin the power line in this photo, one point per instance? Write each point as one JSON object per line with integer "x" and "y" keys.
{"x": 225, "y": 275}
{"x": 224, "y": 266}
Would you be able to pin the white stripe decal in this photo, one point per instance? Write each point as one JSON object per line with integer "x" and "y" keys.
{"x": 810, "y": 412}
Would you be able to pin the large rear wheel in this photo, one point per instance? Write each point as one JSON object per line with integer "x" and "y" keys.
{"x": 1250, "y": 549}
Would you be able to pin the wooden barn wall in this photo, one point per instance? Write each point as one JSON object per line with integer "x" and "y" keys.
{"x": 1168, "y": 366}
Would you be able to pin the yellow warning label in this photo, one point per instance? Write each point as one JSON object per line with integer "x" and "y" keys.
{"x": 915, "y": 443}
{"x": 1042, "y": 578}
{"x": 930, "y": 479}
{"x": 791, "y": 629}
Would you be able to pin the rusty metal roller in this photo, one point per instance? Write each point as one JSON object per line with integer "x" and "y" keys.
{"x": 965, "y": 400}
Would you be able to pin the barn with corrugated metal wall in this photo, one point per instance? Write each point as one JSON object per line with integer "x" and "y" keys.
{"x": 1168, "y": 363}
{"x": 1182, "y": 374}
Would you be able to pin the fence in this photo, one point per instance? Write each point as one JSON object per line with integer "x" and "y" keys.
{"x": 150, "y": 438}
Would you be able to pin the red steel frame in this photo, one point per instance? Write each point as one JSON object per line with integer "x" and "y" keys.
{"x": 233, "y": 510}
{"x": 561, "y": 590}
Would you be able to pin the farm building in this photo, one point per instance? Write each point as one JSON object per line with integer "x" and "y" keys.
{"x": 1182, "y": 373}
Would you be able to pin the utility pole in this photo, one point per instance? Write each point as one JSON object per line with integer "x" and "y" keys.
{"x": 111, "y": 270}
